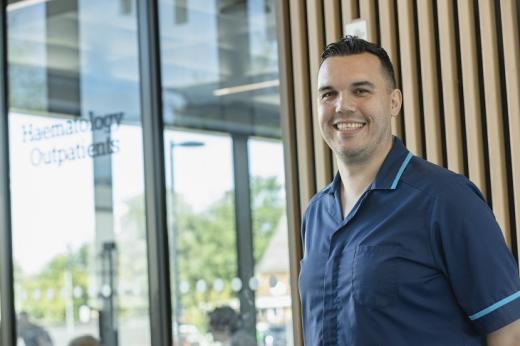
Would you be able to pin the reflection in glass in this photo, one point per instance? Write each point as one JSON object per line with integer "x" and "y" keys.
{"x": 271, "y": 241}
{"x": 201, "y": 217}
{"x": 226, "y": 206}
{"x": 76, "y": 166}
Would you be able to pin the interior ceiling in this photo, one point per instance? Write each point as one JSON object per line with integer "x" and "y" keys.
{"x": 61, "y": 52}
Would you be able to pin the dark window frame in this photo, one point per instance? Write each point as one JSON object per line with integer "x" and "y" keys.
{"x": 8, "y": 325}
{"x": 155, "y": 190}
{"x": 154, "y": 173}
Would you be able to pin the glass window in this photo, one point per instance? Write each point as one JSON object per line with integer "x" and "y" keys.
{"x": 270, "y": 239}
{"x": 79, "y": 237}
{"x": 224, "y": 163}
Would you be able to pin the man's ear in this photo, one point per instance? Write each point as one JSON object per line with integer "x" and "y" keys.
{"x": 396, "y": 101}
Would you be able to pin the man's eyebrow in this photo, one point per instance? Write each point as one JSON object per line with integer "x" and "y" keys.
{"x": 325, "y": 88}
{"x": 363, "y": 83}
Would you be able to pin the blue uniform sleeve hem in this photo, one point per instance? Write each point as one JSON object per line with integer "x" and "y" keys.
{"x": 499, "y": 316}
{"x": 495, "y": 306}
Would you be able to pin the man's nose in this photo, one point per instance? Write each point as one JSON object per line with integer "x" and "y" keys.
{"x": 345, "y": 104}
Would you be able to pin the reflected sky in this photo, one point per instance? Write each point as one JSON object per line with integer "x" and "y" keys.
{"x": 61, "y": 198}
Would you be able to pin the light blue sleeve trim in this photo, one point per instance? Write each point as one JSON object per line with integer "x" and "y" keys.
{"x": 401, "y": 170}
{"x": 495, "y": 306}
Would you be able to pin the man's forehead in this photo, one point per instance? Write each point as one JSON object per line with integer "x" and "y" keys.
{"x": 364, "y": 66}
{"x": 363, "y": 61}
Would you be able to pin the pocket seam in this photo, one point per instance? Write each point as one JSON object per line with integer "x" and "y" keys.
{"x": 389, "y": 289}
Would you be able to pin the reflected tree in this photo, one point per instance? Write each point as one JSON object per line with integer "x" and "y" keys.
{"x": 206, "y": 253}
{"x": 206, "y": 245}
{"x": 45, "y": 295}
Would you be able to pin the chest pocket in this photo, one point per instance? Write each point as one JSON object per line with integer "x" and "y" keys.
{"x": 374, "y": 276}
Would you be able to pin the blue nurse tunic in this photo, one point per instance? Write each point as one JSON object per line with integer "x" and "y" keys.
{"x": 420, "y": 260}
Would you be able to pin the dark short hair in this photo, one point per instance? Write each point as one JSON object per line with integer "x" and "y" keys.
{"x": 351, "y": 45}
{"x": 224, "y": 318}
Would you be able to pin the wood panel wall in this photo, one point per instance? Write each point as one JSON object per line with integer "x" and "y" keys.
{"x": 457, "y": 63}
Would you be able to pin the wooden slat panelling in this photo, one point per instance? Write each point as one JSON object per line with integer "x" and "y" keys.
{"x": 450, "y": 88}
{"x": 430, "y": 83}
{"x": 453, "y": 40}
{"x": 367, "y": 9}
{"x": 412, "y": 119}
{"x": 288, "y": 122}
{"x": 388, "y": 35}
{"x": 494, "y": 118}
{"x": 511, "y": 48}
{"x": 302, "y": 105}
{"x": 349, "y": 11}
{"x": 472, "y": 115}
{"x": 332, "y": 9}
{"x": 333, "y": 32}
{"x": 316, "y": 37}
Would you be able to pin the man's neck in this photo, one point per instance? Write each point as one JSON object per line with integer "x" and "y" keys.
{"x": 355, "y": 178}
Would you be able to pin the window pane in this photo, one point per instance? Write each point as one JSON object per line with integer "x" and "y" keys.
{"x": 270, "y": 239}
{"x": 226, "y": 209}
{"x": 77, "y": 172}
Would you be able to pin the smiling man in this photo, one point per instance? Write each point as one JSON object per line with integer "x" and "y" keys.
{"x": 397, "y": 251}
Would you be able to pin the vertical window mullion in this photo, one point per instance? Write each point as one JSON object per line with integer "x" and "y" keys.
{"x": 244, "y": 231}
{"x": 155, "y": 186}
{"x": 8, "y": 327}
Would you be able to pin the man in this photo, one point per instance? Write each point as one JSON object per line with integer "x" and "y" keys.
{"x": 225, "y": 326}
{"x": 397, "y": 251}
{"x": 31, "y": 333}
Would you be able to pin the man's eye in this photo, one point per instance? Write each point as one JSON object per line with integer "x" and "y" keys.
{"x": 327, "y": 94}
{"x": 360, "y": 92}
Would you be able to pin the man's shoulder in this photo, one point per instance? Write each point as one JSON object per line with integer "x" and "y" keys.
{"x": 435, "y": 180}
{"x": 318, "y": 197}
{"x": 317, "y": 201}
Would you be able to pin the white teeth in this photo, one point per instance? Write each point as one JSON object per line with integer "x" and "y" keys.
{"x": 348, "y": 126}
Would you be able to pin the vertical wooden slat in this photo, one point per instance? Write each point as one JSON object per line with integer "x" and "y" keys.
{"x": 450, "y": 95}
{"x": 333, "y": 29}
{"x": 511, "y": 33}
{"x": 302, "y": 105}
{"x": 388, "y": 34}
{"x": 412, "y": 119}
{"x": 289, "y": 125}
{"x": 322, "y": 155}
{"x": 349, "y": 11}
{"x": 367, "y": 9}
{"x": 431, "y": 101}
{"x": 473, "y": 118}
{"x": 494, "y": 118}
{"x": 332, "y": 20}
{"x": 289, "y": 129}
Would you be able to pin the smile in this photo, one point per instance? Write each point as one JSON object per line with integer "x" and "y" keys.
{"x": 346, "y": 126}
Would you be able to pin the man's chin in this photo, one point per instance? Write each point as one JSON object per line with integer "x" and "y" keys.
{"x": 351, "y": 156}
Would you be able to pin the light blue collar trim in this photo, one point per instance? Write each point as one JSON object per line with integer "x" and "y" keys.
{"x": 401, "y": 170}
{"x": 495, "y": 306}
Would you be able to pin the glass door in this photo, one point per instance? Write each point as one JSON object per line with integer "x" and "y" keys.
{"x": 224, "y": 159}
{"x": 77, "y": 190}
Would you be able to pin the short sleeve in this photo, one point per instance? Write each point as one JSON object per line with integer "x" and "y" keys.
{"x": 302, "y": 232}
{"x": 469, "y": 247}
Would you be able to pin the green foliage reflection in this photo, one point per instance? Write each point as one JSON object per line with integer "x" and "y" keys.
{"x": 206, "y": 250}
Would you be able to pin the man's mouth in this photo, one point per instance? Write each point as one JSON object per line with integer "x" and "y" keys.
{"x": 348, "y": 126}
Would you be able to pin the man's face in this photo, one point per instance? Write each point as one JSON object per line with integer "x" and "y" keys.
{"x": 356, "y": 103}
